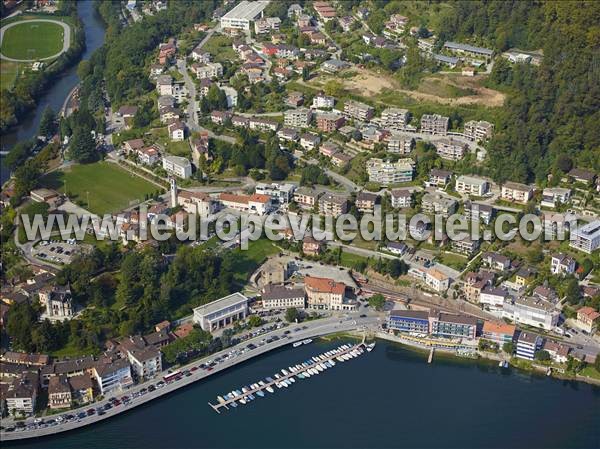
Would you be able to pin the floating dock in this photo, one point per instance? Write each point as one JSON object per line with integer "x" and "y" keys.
{"x": 287, "y": 376}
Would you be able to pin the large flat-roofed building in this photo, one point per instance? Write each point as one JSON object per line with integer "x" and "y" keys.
{"x": 452, "y": 326}
{"x": 586, "y": 238}
{"x": 326, "y": 294}
{"x": 409, "y": 321}
{"x": 244, "y": 13}
{"x": 498, "y": 332}
{"x": 479, "y": 130}
{"x": 394, "y": 119}
{"x": 282, "y": 297}
{"x": 468, "y": 49}
{"x": 387, "y": 172}
{"x": 434, "y": 124}
{"x": 531, "y": 311}
{"x": 358, "y": 111}
{"x": 451, "y": 149}
{"x": 471, "y": 185}
{"x": 222, "y": 312}
{"x": 527, "y": 345}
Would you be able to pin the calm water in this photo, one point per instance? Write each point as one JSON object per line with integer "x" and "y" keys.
{"x": 61, "y": 86}
{"x": 388, "y": 398}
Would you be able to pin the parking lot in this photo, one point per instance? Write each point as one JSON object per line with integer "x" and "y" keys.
{"x": 57, "y": 251}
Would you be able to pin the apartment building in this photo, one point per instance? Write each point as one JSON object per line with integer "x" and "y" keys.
{"x": 394, "y": 119}
{"x": 401, "y": 198}
{"x": 333, "y": 205}
{"x": 322, "y": 101}
{"x": 493, "y": 298}
{"x": 528, "y": 344}
{"x": 450, "y": 149}
{"x": 412, "y": 321}
{"x": 562, "y": 264}
{"x": 262, "y": 124}
{"x": 307, "y": 197}
{"x": 437, "y": 280}
{"x": 439, "y": 178}
{"x": 326, "y": 294}
{"x": 297, "y": 118}
{"x": 588, "y": 319}
{"x": 178, "y": 166}
{"x": 466, "y": 245}
{"x": 516, "y": 192}
{"x": 468, "y": 49}
{"x": 329, "y": 122}
{"x": 146, "y": 362}
{"x": 366, "y": 201}
{"x": 479, "y": 130}
{"x": 498, "y": 332}
{"x": 281, "y": 297}
{"x": 495, "y": 261}
{"x": 551, "y": 196}
{"x": 309, "y": 141}
{"x": 472, "y": 185}
{"x": 358, "y": 111}
{"x": 279, "y": 193}
{"x": 434, "y": 124}
{"x": 400, "y": 144}
{"x": 531, "y": 311}
{"x": 386, "y": 172}
{"x": 435, "y": 203}
{"x": 210, "y": 70}
{"x": 112, "y": 375}
{"x": 452, "y": 326}
{"x": 586, "y": 238}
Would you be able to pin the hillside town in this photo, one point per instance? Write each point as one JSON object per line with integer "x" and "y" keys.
{"x": 256, "y": 112}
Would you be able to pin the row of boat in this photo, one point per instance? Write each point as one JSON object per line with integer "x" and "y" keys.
{"x": 302, "y": 342}
{"x": 287, "y": 377}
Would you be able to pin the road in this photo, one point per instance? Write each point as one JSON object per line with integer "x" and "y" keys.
{"x": 349, "y": 185}
{"x": 315, "y": 328}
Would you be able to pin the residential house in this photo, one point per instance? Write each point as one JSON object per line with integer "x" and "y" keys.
{"x": 439, "y": 178}
{"x": 401, "y": 198}
{"x": 562, "y": 264}
{"x": 59, "y": 393}
{"x": 322, "y": 101}
{"x": 176, "y": 131}
{"x": 311, "y": 247}
{"x": 112, "y": 375}
{"x": 309, "y": 141}
{"x": 366, "y": 201}
{"x": 498, "y": 332}
{"x": 588, "y": 319}
{"x": 495, "y": 261}
{"x": 307, "y": 197}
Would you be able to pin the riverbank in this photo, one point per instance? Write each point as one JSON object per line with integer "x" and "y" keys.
{"x": 388, "y": 395}
{"x": 519, "y": 364}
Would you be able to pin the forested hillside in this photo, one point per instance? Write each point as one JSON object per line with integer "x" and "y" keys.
{"x": 551, "y": 119}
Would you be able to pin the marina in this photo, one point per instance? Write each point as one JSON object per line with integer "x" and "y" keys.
{"x": 287, "y": 377}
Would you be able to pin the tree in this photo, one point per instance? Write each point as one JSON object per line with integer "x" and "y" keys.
{"x": 47, "y": 123}
{"x": 305, "y": 73}
{"x": 254, "y": 321}
{"x": 542, "y": 356}
{"x": 377, "y": 301}
{"x": 508, "y": 347}
{"x": 291, "y": 314}
{"x": 82, "y": 147}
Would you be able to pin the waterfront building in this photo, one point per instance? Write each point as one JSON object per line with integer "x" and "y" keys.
{"x": 416, "y": 321}
{"x": 112, "y": 375}
{"x": 498, "y": 332}
{"x": 222, "y": 312}
{"x": 531, "y": 311}
{"x": 146, "y": 361}
{"x": 22, "y": 393}
{"x": 326, "y": 294}
{"x": 281, "y": 297}
{"x": 82, "y": 388}
{"x": 559, "y": 352}
{"x": 452, "y": 326}
{"x": 527, "y": 345}
{"x": 59, "y": 392}
{"x": 586, "y": 238}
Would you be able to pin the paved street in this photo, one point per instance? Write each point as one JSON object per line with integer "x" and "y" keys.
{"x": 315, "y": 328}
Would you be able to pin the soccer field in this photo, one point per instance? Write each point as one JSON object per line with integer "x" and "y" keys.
{"x": 32, "y": 40}
{"x": 108, "y": 187}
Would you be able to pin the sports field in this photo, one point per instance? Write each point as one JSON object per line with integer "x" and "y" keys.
{"x": 35, "y": 40}
{"x": 108, "y": 187}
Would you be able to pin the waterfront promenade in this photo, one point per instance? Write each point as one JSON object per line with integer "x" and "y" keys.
{"x": 316, "y": 328}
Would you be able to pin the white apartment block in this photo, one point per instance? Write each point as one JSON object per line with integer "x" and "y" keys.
{"x": 178, "y": 166}
{"x": 434, "y": 124}
{"x": 394, "y": 119}
{"x": 297, "y": 118}
{"x": 401, "y": 198}
{"x": 562, "y": 264}
{"x": 450, "y": 149}
{"x": 210, "y": 70}
{"x": 519, "y": 193}
{"x": 322, "y": 101}
{"x": 358, "y": 111}
{"x": 586, "y": 238}
{"x": 479, "y": 130}
{"x": 531, "y": 311}
{"x": 386, "y": 172}
{"x": 400, "y": 144}
{"x": 243, "y": 14}
{"x": 471, "y": 185}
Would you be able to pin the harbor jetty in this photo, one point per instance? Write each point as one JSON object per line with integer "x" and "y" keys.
{"x": 288, "y": 376}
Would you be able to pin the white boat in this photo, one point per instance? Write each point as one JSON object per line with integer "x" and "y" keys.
{"x": 284, "y": 372}
{"x": 307, "y": 373}
{"x": 291, "y": 379}
{"x": 243, "y": 401}
{"x": 300, "y": 376}
{"x": 270, "y": 389}
{"x": 332, "y": 362}
{"x": 296, "y": 344}
{"x": 285, "y": 384}
{"x": 307, "y": 341}
{"x": 244, "y": 390}
{"x": 278, "y": 385}
{"x": 370, "y": 347}
{"x": 260, "y": 393}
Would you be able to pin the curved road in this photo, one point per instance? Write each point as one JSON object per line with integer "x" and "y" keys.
{"x": 66, "y": 39}
{"x": 316, "y": 328}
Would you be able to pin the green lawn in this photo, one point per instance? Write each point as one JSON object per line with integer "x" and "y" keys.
{"x": 220, "y": 48}
{"x": 161, "y": 136}
{"x": 351, "y": 260}
{"x": 247, "y": 261}
{"x": 109, "y": 187}
{"x": 455, "y": 261}
{"x": 8, "y": 74}
{"x": 32, "y": 40}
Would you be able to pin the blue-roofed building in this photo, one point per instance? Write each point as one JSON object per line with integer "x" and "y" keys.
{"x": 409, "y": 321}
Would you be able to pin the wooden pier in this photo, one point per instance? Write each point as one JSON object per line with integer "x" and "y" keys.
{"x": 430, "y": 359}
{"x": 217, "y": 407}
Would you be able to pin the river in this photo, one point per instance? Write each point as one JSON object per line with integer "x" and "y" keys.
{"x": 387, "y": 398}
{"x": 61, "y": 86}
